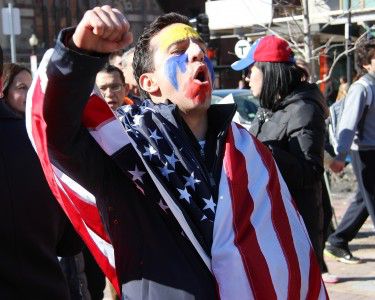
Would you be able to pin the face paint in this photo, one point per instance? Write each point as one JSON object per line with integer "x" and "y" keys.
{"x": 210, "y": 68}
{"x": 175, "y": 33}
{"x": 171, "y": 65}
{"x": 197, "y": 92}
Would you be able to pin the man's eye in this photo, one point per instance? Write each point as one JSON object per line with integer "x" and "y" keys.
{"x": 177, "y": 51}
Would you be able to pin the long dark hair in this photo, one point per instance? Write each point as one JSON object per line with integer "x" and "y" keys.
{"x": 10, "y": 71}
{"x": 279, "y": 80}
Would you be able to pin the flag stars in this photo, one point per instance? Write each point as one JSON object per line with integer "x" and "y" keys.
{"x": 184, "y": 194}
{"x": 149, "y": 151}
{"x": 137, "y": 120}
{"x": 191, "y": 181}
{"x": 165, "y": 171}
{"x": 210, "y": 204}
{"x": 171, "y": 159}
{"x": 137, "y": 174}
{"x": 154, "y": 135}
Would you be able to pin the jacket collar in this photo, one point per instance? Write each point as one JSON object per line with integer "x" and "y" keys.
{"x": 219, "y": 115}
{"x": 6, "y": 112}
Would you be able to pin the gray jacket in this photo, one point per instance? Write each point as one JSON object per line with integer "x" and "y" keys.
{"x": 354, "y": 106}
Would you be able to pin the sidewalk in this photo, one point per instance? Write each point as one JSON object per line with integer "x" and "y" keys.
{"x": 357, "y": 281}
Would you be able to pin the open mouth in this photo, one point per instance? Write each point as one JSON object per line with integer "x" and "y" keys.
{"x": 201, "y": 75}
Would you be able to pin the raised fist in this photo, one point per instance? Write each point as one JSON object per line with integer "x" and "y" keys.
{"x": 102, "y": 29}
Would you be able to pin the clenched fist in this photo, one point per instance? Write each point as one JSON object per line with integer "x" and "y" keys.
{"x": 102, "y": 29}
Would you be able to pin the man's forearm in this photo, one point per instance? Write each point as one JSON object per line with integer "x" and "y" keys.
{"x": 71, "y": 77}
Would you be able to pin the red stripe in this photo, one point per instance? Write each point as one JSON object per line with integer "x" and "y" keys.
{"x": 281, "y": 222}
{"x": 246, "y": 241}
{"x": 315, "y": 279}
{"x": 96, "y": 112}
{"x": 88, "y": 212}
{"x": 38, "y": 131}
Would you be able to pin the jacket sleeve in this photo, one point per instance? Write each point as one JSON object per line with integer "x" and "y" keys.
{"x": 353, "y": 109}
{"x": 71, "y": 77}
{"x": 301, "y": 164}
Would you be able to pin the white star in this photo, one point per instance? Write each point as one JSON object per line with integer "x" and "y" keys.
{"x": 137, "y": 120}
{"x": 172, "y": 159}
{"x": 162, "y": 205}
{"x": 150, "y": 151}
{"x": 137, "y": 174}
{"x": 203, "y": 218}
{"x": 210, "y": 204}
{"x": 184, "y": 194}
{"x": 154, "y": 135}
{"x": 191, "y": 181}
{"x": 165, "y": 171}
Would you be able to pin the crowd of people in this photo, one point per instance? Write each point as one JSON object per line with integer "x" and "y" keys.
{"x": 190, "y": 205}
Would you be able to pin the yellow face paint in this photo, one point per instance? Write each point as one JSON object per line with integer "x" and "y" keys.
{"x": 175, "y": 33}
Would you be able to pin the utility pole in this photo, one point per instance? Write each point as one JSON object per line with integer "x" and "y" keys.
{"x": 12, "y": 35}
{"x": 307, "y": 40}
{"x": 348, "y": 26}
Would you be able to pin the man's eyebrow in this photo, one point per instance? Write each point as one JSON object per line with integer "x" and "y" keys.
{"x": 176, "y": 43}
{"x": 195, "y": 39}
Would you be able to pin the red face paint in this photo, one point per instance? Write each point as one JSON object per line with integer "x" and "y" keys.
{"x": 198, "y": 91}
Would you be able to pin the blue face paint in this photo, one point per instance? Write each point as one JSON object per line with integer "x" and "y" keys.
{"x": 210, "y": 68}
{"x": 180, "y": 61}
{"x": 171, "y": 65}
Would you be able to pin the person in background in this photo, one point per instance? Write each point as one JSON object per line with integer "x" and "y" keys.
{"x": 34, "y": 230}
{"x": 343, "y": 88}
{"x": 291, "y": 122}
{"x": 356, "y": 135}
{"x": 115, "y": 59}
{"x": 111, "y": 83}
{"x": 127, "y": 68}
{"x": 330, "y": 91}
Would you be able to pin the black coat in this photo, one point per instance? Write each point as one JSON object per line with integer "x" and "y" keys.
{"x": 294, "y": 131}
{"x": 33, "y": 228}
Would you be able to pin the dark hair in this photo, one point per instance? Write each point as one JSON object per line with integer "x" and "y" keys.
{"x": 364, "y": 53}
{"x": 143, "y": 54}
{"x": 279, "y": 80}
{"x": 10, "y": 71}
{"x": 113, "y": 69}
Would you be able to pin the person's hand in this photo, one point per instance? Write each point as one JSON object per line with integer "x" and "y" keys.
{"x": 102, "y": 29}
{"x": 337, "y": 165}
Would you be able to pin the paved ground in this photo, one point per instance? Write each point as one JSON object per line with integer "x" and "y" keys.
{"x": 357, "y": 281}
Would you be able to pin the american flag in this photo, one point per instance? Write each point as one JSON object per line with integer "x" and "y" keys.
{"x": 250, "y": 237}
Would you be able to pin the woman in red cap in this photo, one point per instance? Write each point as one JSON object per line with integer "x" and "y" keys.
{"x": 290, "y": 121}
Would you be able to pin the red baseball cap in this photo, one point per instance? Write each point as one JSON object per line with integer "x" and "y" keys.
{"x": 266, "y": 49}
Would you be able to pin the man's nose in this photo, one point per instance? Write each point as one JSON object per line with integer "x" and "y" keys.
{"x": 195, "y": 52}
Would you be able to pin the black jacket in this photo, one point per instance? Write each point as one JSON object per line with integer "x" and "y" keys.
{"x": 148, "y": 245}
{"x": 34, "y": 230}
{"x": 294, "y": 131}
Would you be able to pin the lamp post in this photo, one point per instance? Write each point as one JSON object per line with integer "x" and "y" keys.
{"x": 33, "y": 42}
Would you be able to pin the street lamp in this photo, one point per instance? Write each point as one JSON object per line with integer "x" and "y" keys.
{"x": 33, "y": 42}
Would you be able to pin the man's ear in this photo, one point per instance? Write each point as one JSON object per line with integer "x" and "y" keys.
{"x": 148, "y": 83}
